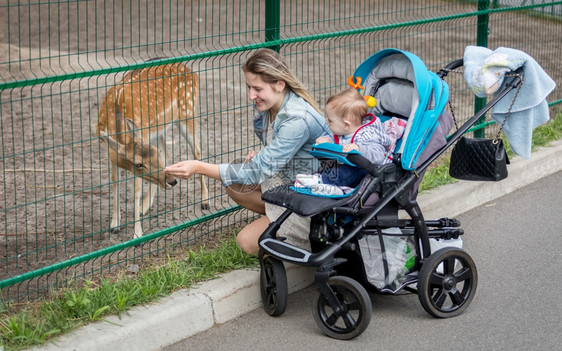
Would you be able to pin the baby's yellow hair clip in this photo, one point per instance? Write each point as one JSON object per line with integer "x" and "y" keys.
{"x": 371, "y": 101}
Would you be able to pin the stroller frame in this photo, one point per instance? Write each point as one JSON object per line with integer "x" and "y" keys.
{"x": 338, "y": 295}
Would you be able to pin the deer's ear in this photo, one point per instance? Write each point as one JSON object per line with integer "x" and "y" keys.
{"x": 112, "y": 143}
{"x": 133, "y": 129}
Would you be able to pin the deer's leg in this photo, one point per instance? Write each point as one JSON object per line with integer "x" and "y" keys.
{"x": 116, "y": 216}
{"x": 148, "y": 198}
{"x": 138, "y": 196}
{"x": 192, "y": 139}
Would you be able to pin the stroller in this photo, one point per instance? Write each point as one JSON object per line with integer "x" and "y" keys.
{"x": 358, "y": 240}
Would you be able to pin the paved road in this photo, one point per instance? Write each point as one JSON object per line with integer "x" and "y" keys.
{"x": 515, "y": 242}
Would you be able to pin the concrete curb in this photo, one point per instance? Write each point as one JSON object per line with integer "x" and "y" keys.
{"x": 188, "y": 312}
{"x": 178, "y": 316}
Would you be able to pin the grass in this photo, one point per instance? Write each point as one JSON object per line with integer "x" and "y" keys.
{"x": 89, "y": 301}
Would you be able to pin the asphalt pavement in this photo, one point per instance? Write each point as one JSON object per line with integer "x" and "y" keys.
{"x": 512, "y": 232}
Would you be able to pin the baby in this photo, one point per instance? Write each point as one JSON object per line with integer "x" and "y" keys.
{"x": 354, "y": 129}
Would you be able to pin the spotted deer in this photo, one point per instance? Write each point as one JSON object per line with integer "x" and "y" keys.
{"x": 133, "y": 119}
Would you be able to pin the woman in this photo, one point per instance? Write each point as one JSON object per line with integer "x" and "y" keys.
{"x": 288, "y": 122}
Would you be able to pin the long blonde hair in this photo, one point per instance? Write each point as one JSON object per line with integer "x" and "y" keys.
{"x": 271, "y": 67}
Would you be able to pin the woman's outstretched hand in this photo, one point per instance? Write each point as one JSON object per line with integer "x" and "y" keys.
{"x": 184, "y": 169}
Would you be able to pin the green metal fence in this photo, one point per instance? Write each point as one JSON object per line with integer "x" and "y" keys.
{"x": 58, "y": 59}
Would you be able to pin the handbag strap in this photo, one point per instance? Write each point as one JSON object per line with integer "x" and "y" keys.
{"x": 497, "y": 138}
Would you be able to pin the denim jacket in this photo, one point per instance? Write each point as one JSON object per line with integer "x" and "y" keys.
{"x": 295, "y": 130}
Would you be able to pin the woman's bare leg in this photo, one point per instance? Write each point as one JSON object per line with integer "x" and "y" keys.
{"x": 247, "y": 196}
{"x": 248, "y": 237}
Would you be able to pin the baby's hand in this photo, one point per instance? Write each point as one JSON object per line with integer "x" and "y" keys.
{"x": 323, "y": 140}
{"x": 349, "y": 147}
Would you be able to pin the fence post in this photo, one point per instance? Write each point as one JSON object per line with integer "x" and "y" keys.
{"x": 272, "y": 21}
{"x": 482, "y": 32}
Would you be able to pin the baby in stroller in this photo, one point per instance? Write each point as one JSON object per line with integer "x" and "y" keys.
{"x": 344, "y": 229}
{"x": 354, "y": 129}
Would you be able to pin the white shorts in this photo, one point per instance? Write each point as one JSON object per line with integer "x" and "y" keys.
{"x": 295, "y": 228}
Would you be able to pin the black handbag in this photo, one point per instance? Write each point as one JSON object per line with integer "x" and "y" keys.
{"x": 479, "y": 159}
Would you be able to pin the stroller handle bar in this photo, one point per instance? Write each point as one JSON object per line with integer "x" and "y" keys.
{"x": 451, "y": 66}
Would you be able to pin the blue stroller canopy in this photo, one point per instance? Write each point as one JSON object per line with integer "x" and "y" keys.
{"x": 403, "y": 86}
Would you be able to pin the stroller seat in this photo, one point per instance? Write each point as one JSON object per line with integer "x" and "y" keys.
{"x": 307, "y": 205}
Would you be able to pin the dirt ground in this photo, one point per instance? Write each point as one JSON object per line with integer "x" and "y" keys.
{"x": 56, "y": 199}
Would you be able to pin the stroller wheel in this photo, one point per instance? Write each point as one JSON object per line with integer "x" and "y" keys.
{"x": 447, "y": 282}
{"x": 273, "y": 284}
{"x": 355, "y": 315}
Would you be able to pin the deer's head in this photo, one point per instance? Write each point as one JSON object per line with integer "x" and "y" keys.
{"x": 138, "y": 156}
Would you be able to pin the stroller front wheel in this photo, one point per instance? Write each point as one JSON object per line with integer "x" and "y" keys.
{"x": 447, "y": 282}
{"x": 355, "y": 316}
{"x": 273, "y": 284}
